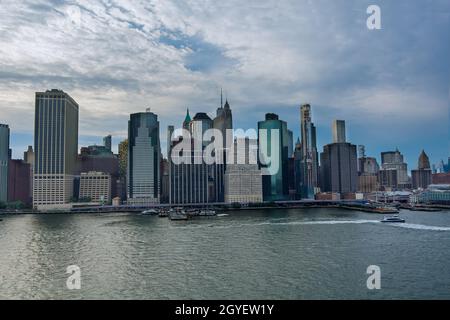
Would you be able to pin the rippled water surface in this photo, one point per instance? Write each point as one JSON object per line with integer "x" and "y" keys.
{"x": 270, "y": 254}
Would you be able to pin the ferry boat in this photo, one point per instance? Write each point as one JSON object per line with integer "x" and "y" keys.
{"x": 393, "y": 219}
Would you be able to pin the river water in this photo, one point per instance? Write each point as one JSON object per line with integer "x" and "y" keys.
{"x": 261, "y": 254}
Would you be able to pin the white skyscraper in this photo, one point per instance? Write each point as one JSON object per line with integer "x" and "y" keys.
{"x": 56, "y": 148}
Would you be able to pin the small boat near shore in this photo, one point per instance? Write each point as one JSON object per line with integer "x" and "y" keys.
{"x": 150, "y": 212}
{"x": 393, "y": 219}
{"x": 178, "y": 215}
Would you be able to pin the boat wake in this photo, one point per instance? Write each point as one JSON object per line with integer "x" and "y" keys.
{"x": 420, "y": 227}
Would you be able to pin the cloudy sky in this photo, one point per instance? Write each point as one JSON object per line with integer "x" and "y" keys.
{"x": 115, "y": 57}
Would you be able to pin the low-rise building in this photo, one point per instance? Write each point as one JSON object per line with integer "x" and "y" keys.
{"x": 95, "y": 186}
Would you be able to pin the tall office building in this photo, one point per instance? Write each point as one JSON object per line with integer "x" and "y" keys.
{"x": 338, "y": 129}
{"x": 309, "y": 156}
{"x": 243, "y": 179}
{"x": 368, "y": 169}
{"x": 123, "y": 168}
{"x": 290, "y": 144}
{"x": 222, "y": 122}
{"x": 421, "y": 178}
{"x": 56, "y": 147}
{"x": 275, "y": 186}
{"x": 170, "y": 131}
{"x": 28, "y": 157}
{"x": 338, "y": 163}
{"x": 144, "y": 156}
{"x": 107, "y": 142}
{"x": 4, "y": 159}
{"x": 192, "y": 182}
{"x": 394, "y": 160}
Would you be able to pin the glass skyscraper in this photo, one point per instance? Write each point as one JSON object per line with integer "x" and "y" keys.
{"x": 275, "y": 186}
{"x": 144, "y": 156}
{"x": 56, "y": 148}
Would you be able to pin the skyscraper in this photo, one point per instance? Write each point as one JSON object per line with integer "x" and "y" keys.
{"x": 28, "y": 157}
{"x": 56, "y": 148}
{"x": 338, "y": 163}
{"x": 222, "y": 122}
{"x": 243, "y": 179}
{"x": 123, "y": 168}
{"x": 107, "y": 142}
{"x": 421, "y": 178}
{"x": 192, "y": 182}
{"x": 276, "y": 185}
{"x": 394, "y": 160}
{"x": 338, "y": 129}
{"x": 309, "y": 158}
{"x": 144, "y": 155}
{"x": 368, "y": 169}
{"x": 4, "y": 159}
{"x": 290, "y": 144}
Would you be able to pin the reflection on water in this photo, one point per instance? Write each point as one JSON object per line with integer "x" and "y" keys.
{"x": 290, "y": 254}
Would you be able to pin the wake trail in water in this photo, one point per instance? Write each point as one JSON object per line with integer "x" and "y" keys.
{"x": 421, "y": 227}
{"x": 329, "y": 222}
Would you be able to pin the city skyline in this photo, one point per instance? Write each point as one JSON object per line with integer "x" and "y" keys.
{"x": 384, "y": 83}
{"x": 108, "y": 139}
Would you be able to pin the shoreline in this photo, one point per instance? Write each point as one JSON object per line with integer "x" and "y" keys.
{"x": 350, "y": 207}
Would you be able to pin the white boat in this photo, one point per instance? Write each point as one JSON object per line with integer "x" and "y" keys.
{"x": 150, "y": 212}
{"x": 207, "y": 212}
{"x": 393, "y": 219}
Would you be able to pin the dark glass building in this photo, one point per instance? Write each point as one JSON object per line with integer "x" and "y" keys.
{"x": 144, "y": 156}
{"x": 275, "y": 186}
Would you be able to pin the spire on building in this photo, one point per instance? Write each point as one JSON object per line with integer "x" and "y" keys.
{"x": 424, "y": 161}
{"x": 188, "y": 117}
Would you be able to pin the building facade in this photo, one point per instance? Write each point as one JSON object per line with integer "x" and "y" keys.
{"x": 4, "y": 159}
{"x": 56, "y": 148}
{"x": 440, "y": 178}
{"x": 338, "y": 131}
{"x": 394, "y": 160}
{"x": 338, "y": 165}
{"x": 421, "y": 178}
{"x": 95, "y": 186}
{"x": 19, "y": 181}
{"x": 276, "y": 185}
{"x": 387, "y": 179}
{"x": 243, "y": 179}
{"x": 144, "y": 157}
{"x": 309, "y": 164}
